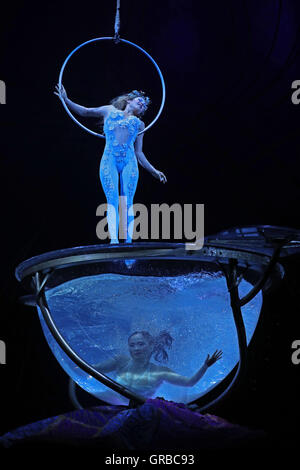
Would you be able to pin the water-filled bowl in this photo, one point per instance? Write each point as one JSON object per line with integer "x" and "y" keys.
{"x": 97, "y": 303}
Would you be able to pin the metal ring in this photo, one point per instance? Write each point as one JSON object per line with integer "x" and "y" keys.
{"x": 127, "y": 42}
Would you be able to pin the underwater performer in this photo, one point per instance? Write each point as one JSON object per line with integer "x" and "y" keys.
{"x": 122, "y": 152}
{"x": 142, "y": 376}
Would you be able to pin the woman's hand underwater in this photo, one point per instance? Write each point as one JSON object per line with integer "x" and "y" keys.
{"x": 210, "y": 360}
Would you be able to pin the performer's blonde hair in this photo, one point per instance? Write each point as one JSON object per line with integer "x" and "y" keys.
{"x": 120, "y": 102}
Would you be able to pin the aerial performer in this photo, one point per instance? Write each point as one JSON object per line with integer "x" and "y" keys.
{"x": 124, "y": 130}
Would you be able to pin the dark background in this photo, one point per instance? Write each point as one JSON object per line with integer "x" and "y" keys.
{"x": 227, "y": 137}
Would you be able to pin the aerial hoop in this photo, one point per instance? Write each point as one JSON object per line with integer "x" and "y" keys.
{"x": 119, "y": 40}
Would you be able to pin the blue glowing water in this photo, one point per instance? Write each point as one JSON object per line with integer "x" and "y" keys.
{"x": 96, "y": 314}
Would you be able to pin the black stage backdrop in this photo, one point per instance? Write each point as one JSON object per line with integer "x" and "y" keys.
{"x": 228, "y": 137}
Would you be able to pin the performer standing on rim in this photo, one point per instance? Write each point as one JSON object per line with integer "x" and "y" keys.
{"x": 123, "y": 149}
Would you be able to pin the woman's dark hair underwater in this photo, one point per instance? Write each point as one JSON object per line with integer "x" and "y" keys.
{"x": 160, "y": 342}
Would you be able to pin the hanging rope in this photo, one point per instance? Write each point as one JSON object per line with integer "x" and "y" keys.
{"x": 117, "y": 23}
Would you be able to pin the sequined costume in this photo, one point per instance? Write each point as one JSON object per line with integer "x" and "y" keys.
{"x": 119, "y": 163}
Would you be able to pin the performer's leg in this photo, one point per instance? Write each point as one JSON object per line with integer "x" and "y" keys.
{"x": 128, "y": 183}
{"x": 110, "y": 183}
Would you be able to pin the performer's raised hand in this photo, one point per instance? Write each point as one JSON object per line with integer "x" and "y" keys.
{"x": 60, "y": 92}
{"x": 210, "y": 360}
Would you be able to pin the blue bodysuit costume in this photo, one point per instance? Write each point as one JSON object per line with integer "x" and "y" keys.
{"x": 119, "y": 163}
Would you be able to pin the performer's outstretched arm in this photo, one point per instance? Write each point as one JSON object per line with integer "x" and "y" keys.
{"x": 177, "y": 379}
{"x": 82, "y": 111}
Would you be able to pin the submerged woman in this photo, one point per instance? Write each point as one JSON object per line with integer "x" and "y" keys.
{"x": 142, "y": 376}
{"x": 123, "y": 149}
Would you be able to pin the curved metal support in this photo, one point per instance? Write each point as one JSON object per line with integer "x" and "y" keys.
{"x": 232, "y": 284}
{"x": 72, "y": 395}
{"x": 43, "y": 305}
{"x": 259, "y": 285}
{"x": 236, "y": 304}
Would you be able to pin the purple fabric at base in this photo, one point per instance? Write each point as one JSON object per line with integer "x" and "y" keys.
{"x": 157, "y": 424}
